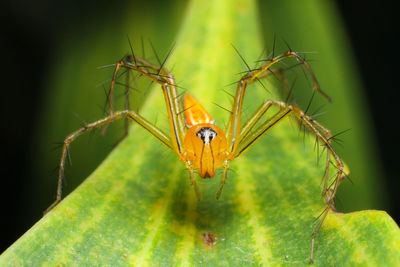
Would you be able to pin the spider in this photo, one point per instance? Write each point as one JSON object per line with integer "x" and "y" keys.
{"x": 199, "y": 142}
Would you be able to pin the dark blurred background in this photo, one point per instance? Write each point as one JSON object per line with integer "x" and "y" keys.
{"x": 33, "y": 32}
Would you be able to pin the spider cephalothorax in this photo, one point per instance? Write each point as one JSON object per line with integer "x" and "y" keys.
{"x": 205, "y": 145}
{"x": 206, "y": 148}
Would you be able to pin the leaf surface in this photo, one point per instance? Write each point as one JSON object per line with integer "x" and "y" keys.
{"x": 139, "y": 209}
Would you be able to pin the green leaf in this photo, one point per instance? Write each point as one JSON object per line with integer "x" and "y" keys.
{"x": 138, "y": 207}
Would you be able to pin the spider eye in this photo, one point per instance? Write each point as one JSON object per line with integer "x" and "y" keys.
{"x": 206, "y": 134}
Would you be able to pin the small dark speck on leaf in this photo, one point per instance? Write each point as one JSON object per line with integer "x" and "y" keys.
{"x": 209, "y": 239}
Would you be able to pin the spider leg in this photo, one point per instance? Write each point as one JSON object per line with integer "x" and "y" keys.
{"x": 254, "y": 119}
{"x": 233, "y": 130}
{"x": 224, "y": 177}
{"x": 250, "y": 136}
{"x": 314, "y": 234}
{"x": 163, "y": 77}
{"x": 192, "y": 177}
{"x": 132, "y": 115}
{"x": 127, "y": 102}
{"x": 290, "y": 54}
{"x": 128, "y": 88}
{"x": 235, "y": 133}
{"x": 279, "y": 73}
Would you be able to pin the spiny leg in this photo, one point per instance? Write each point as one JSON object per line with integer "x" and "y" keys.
{"x": 279, "y": 73}
{"x": 127, "y": 101}
{"x": 192, "y": 177}
{"x": 257, "y": 115}
{"x": 128, "y": 88}
{"x": 233, "y": 129}
{"x": 153, "y": 130}
{"x": 301, "y": 60}
{"x": 314, "y": 234}
{"x": 224, "y": 177}
{"x": 250, "y": 136}
{"x": 162, "y": 76}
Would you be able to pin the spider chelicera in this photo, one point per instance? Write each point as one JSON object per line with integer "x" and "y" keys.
{"x": 199, "y": 142}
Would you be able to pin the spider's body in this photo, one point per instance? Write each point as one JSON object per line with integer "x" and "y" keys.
{"x": 201, "y": 144}
{"x": 205, "y": 143}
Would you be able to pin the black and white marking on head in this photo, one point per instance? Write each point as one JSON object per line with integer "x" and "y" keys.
{"x": 206, "y": 134}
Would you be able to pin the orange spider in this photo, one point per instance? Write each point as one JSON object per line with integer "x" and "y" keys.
{"x": 201, "y": 144}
